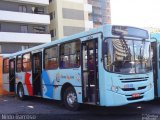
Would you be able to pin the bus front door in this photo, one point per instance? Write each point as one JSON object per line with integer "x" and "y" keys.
{"x": 155, "y": 68}
{"x": 90, "y": 71}
{"x": 36, "y": 73}
{"x": 11, "y": 75}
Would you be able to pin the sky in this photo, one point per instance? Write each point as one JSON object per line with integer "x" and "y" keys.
{"x": 139, "y": 13}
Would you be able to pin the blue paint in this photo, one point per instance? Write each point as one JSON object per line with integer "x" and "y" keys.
{"x": 155, "y": 37}
{"x": 49, "y": 85}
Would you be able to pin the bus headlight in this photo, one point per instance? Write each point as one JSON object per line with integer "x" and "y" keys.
{"x": 114, "y": 88}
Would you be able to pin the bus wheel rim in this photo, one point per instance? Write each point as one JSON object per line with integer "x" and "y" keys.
{"x": 20, "y": 93}
{"x": 71, "y": 99}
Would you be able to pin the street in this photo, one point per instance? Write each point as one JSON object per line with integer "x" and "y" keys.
{"x": 37, "y": 108}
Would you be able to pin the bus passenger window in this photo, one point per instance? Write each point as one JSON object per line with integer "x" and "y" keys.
{"x": 27, "y": 62}
{"x": 51, "y": 58}
{"x": 18, "y": 64}
{"x": 6, "y": 65}
{"x": 70, "y": 54}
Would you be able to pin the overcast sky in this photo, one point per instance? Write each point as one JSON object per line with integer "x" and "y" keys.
{"x": 140, "y": 13}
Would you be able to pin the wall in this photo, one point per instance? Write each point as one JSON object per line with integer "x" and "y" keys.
{"x": 69, "y": 17}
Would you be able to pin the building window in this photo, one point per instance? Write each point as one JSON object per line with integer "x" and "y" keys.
{"x": 51, "y": 15}
{"x": 39, "y": 10}
{"x": 70, "y": 55}
{"x": 51, "y": 58}
{"x": 26, "y": 62}
{"x": 22, "y": 8}
{"x": 50, "y": 1}
{"x": 52, "y": 33}
{"x": 39, "y": 29}
{"x": 24, "y": 28}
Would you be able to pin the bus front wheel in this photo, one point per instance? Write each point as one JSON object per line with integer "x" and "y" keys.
{"x": 20, "y": 92}
{"x": 70, "y": 99}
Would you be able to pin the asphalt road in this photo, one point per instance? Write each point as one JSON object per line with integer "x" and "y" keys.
{"x": 37, "y": 108}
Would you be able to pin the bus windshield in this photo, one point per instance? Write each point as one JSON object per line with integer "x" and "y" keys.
{"x": 126, "y": 56}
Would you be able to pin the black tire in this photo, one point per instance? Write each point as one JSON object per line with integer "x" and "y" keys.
{"x": 70, "y": 99}
{"x": 20, "y": 92}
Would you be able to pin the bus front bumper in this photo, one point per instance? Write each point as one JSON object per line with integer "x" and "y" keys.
{"x": 116, "y": 99}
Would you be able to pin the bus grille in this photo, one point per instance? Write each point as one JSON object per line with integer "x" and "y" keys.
{"x": 126, "y": 80}
{"x": 133, "y": 89}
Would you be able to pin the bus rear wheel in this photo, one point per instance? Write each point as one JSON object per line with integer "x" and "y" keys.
{"x": 20, "y": 92}
{"x": 70, "y": 99}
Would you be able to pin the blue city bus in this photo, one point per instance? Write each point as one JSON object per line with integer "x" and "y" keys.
{"x": 107, "y": 66}
{"x": 155, "y": 45}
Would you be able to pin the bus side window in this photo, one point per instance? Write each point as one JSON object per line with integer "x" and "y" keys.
{"x": 51, "y": 58}
{"x": 18, "y": 63}
{"x": 70, "y": 54}
{"x": 6, "y": 65}
{"x": 26, "y": 62}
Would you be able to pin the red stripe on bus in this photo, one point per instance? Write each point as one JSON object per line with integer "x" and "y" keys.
{"x": 28, "y": 84}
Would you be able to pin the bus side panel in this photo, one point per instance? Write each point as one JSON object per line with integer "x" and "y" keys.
{"x": 26, "y": 80}
{"x": 53, "y": 80}
{"x": 19, "y": 79}
{"x": 6, "y": 82}
{"x": 73, "y": 77}
{"x": 48, "y": 85}
{"x": 51, "y": 92}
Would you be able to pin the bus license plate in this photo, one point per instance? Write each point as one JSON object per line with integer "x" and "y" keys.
{"x": 135, "y": 95}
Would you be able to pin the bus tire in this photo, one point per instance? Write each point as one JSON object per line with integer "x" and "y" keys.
{"x": 20, "y": 92}
{"x": 70, "y": 99}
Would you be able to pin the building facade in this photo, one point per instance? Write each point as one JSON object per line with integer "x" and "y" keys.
{"x": 73, "y": 16}
{"x": 23, "y": 24}
{"x": 69, "y": 17}
{"x": 101, "y": 12}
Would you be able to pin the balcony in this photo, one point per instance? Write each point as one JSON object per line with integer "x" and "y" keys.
{"x": 36, "y": 2}
{"x": 88, "y": 8}
{"x": 24, "y": 37}
{"x": 88, "y": 25}
{"x": 18, "y": 17}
